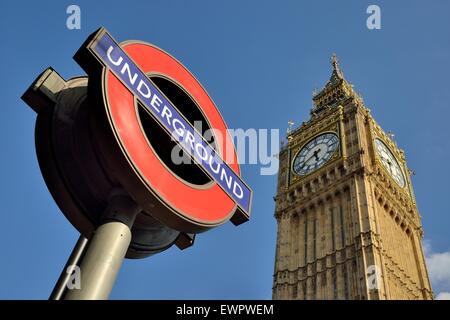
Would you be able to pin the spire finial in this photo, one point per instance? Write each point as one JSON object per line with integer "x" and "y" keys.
{"x": 334, "y": 61}
{"x": 336, "y": 68}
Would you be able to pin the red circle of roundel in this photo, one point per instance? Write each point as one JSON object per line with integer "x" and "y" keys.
{"x": 208, "y": 205}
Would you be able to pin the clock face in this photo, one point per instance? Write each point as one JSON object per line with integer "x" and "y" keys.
{"x": 315, "y": 153}
{"x": 389, "y": 162}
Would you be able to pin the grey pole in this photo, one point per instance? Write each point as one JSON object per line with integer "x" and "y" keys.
{"x": 106, "y": 250}
{"x": 61, "y": 285}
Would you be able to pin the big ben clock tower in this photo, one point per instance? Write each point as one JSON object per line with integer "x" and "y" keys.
{"x": 348, "y": 224}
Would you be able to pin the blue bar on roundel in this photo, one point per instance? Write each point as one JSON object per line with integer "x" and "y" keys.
{"x": 142, "y": 87}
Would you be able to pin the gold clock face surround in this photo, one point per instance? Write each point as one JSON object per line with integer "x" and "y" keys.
{"x": 315, "y": 153}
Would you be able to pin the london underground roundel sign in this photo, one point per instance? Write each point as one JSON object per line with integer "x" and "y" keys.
{"x": 124, "y": 77}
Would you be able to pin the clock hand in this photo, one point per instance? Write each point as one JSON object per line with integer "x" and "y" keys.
{"x": 306, "y": 161}
{"x": 314, "y": 155}
{"x": 390, "y": 165}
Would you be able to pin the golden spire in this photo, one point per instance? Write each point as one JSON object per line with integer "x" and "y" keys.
{"x": 334, "y": 61}
{"x": 337, "y": 72}
{"x": 334, "y": 91}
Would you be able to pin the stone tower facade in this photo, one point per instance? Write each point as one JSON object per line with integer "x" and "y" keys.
{"x": 348, "y": 224}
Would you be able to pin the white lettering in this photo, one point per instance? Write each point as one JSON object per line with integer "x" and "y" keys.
{"x": 178, "y": 126}
{"x": 241, "y": 192}
{"x": 201, "y": 151}
{"x": 190, "y": 139}
{"x": 156, "y": 102}
{"x": 246, "y": 309}
{"x": 108, "y": 54}
{"x": 211, "y": 160}
{"x": 166, "y": 113}
{"x": 187, "y": 310}
{"x": 126, "y": 67}
{"x": 223, "y": 176}
{"x": 139, "y": 89}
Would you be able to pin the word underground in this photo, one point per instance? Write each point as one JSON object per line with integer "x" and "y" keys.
{"x": 170, "y": 118}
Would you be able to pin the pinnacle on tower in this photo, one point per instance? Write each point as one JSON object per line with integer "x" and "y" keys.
{"x": 337, "y": 72}
{"x": 335, "y": 90}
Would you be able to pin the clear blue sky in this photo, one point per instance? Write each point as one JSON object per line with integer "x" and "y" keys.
{"x": 260, "y": 61}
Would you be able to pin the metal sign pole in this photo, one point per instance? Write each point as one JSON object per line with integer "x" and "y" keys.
{"x": 77, "y": 253}
{"x": 106, "y": 250}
